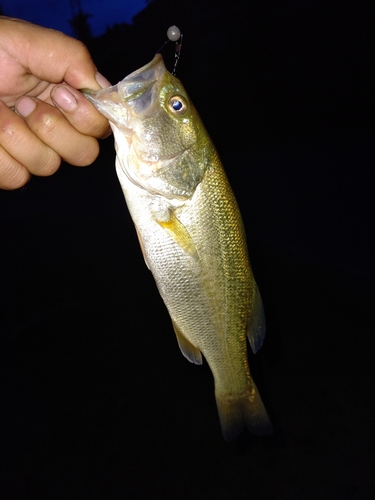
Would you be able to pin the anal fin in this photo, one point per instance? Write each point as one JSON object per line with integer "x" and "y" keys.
{"x": 190, "y": 352}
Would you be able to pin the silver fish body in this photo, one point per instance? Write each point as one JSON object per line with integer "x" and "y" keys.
{"x": 191, "y": 234}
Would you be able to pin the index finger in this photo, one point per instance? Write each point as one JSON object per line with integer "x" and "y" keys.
{"x": 49, "y": 54}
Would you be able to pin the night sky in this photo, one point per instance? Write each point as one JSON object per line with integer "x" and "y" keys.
{"x": 55, "y": 15}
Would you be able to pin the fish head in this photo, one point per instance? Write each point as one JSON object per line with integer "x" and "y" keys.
{"x": 160, "y": 140}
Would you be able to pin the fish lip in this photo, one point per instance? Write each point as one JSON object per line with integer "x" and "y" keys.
{"x": 114, "y": 102}
{"x": 136, "y": 83}
{"x": 109, "y": 103}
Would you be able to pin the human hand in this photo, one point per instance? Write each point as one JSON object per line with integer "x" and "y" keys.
{"x": 41, "y": 70}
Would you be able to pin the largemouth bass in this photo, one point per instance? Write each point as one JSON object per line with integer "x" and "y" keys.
{"x": 191, "y": 234}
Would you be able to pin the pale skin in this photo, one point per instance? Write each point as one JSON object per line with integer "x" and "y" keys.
{"x": 43, "y": 117}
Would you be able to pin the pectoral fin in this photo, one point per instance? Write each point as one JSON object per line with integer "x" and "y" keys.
{"x": 180, "y": 234}
{"x": 190, "y": 352}
{"x": 256, "y": 328}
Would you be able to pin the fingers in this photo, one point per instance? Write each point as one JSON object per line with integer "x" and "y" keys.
{"x": 46, "y": 126}
{"x": 53, "y": 131}
{"x": 48, "y": 54}
{"x": 79, "y": 112}
{"x": 21, "y": 152}
{"x": 34, "y": 139}
{"x": 13, "y": 175}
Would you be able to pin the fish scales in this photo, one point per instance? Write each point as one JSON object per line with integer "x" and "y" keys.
{"x": 191, "y": 234}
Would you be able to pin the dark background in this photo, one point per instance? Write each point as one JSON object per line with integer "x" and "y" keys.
{"x": 96, "y": 400}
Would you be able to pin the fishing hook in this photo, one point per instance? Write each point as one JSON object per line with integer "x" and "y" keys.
{"x": 174, "y": 35}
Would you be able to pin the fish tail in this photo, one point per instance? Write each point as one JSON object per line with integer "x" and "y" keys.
{"x": 237, "y": 411}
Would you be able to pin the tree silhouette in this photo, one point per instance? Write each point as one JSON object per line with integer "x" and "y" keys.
{"x": 79, "y": 22}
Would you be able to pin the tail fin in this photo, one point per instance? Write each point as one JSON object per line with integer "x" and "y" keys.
{"x": 237, "y": 411}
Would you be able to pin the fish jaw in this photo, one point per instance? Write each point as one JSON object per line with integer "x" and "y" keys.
{"x": 162, "y": 154}
{"x": 137, "y": 92}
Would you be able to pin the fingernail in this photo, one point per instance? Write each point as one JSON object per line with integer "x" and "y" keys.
{"x": 102, "y": 80}
{"x": 63, "y": 98}
{"x": 25, "y": 106}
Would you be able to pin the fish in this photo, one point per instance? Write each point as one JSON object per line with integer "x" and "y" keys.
{"x": 191, "y": 234}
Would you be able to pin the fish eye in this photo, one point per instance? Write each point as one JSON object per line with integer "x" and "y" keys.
{"x": 178, "y": 104}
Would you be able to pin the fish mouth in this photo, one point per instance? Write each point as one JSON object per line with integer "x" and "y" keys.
{"x": 134, "y": 94}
